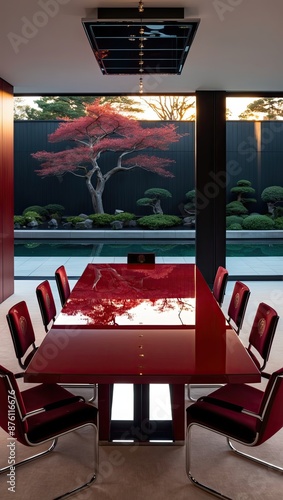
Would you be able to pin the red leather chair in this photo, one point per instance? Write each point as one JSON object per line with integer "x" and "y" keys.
{"x": 262, "y": 335}
{"x": 219, "y": 284}
{"x": 238, "y": 305}
{"x": 62, "y": 283}
{"x": 42, "y": 414}
{"x": 22, "y": 333}
{"x": 241, "y": 413}
{"x": 141, "y": 258}
{"x": 260, "y": 338}
{"x": 48, "y": 312}
{"x": 46, "y": 303}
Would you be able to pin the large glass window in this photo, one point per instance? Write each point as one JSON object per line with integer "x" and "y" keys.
{"x": 37, "y": 117}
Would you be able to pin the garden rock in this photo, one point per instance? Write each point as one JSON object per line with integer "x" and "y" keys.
{"x": 117, "y": 224}
{"x": 189, "y": 221}
{"x": 53, "y": 223}
{"x": 132, "y": 223}
{"x": 86, "y": 224}
{"x": 32, "y": 223}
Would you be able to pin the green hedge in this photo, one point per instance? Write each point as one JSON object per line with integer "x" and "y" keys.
{"x": 260, "y": 222}
{"x": 231, "y": 220}
{"x": 159, "y": 221}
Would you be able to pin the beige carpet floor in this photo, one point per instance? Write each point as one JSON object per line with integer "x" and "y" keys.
{"x": 134, "y": 472}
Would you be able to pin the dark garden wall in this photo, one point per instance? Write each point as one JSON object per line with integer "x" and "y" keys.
{"x": 122, "y": 190}
{"x": 254, "y": 152}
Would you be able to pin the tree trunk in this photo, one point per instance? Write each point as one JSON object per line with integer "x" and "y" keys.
{"x": 96, "y": 194}
{"x": 270, "y": 208}
{"x": 157, "y": 207}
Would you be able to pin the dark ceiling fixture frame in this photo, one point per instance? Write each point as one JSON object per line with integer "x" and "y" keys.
{"x": 115, "y": 38}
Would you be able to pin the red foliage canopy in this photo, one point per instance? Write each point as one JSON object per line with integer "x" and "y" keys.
{"x": 103, "y": 129}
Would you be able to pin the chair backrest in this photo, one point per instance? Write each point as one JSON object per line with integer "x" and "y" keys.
{"x": 46, "y": 303}
{"x": 238, "y": 305}
{"x": 22, "y": 332}
{"x": 271, "y": 408}
{"x": 11, "y": 404}
{"x": 262, "y": 334}
{"x": 141, "y": 258}
{"x": 62, "y": 284}
{"x": 219, "y": 284}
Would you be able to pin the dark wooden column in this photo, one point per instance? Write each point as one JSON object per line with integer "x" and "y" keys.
{"x": 210, "y": 181}
{"x": 6, "y": 190}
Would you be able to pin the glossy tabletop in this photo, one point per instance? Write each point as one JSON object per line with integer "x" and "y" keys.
{"x": 141, "y": 324}
{"x": 121, "y": 295}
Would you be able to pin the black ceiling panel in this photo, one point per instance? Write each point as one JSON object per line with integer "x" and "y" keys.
{"x": 142, "y": 46}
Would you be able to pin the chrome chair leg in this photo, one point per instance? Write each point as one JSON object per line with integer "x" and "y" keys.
{"x": 190, "y": 475}
{"x": 254, "y": 459}
{"x": 93, "y": 477}
{"x": 86, "y": 386}
{"x": 191, "y": 386}
{"x": 235, "y": 450}
{"x": 51, "y": 448}
{"x": 33, "y": 457}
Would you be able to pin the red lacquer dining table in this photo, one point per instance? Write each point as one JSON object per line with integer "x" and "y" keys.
{"x": 141, "y": 324}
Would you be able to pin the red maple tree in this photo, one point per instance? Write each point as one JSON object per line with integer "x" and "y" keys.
{"x": 103, "y": 129}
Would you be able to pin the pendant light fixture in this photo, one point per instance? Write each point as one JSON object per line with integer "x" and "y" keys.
{"x": 141, "y": 7}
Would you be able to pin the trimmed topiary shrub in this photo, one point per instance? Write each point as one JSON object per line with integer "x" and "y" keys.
{"x": 278, "y": 212}
{"x": 101, "y": 219}
{"x": 272, "y": 195}
{"x": 236, "y": 208}
{"x": 159, "y": 221}
{"x": 124, "y": 216}
{"x": 233, "y": 219}
{"x": 38, "y": 209}
{"x": 19, "y": 219}
{"x": 55, "y": 208}
{"x": 242, "y": 190}
{"x": 31, "y": 215}
{"x": 235, "y": 227}
{"x": 75, "y": 219}
{"x": 278, "y": 223}
{"x": 260, "y": 222}
{"x": 153, "y": 199}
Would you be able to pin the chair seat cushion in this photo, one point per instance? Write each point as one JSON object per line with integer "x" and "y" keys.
{"x": 212, "y": 413}
{"x": 48, "y": 424}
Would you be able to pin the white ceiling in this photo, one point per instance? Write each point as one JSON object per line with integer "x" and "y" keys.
{"x": 238, "y": 47}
